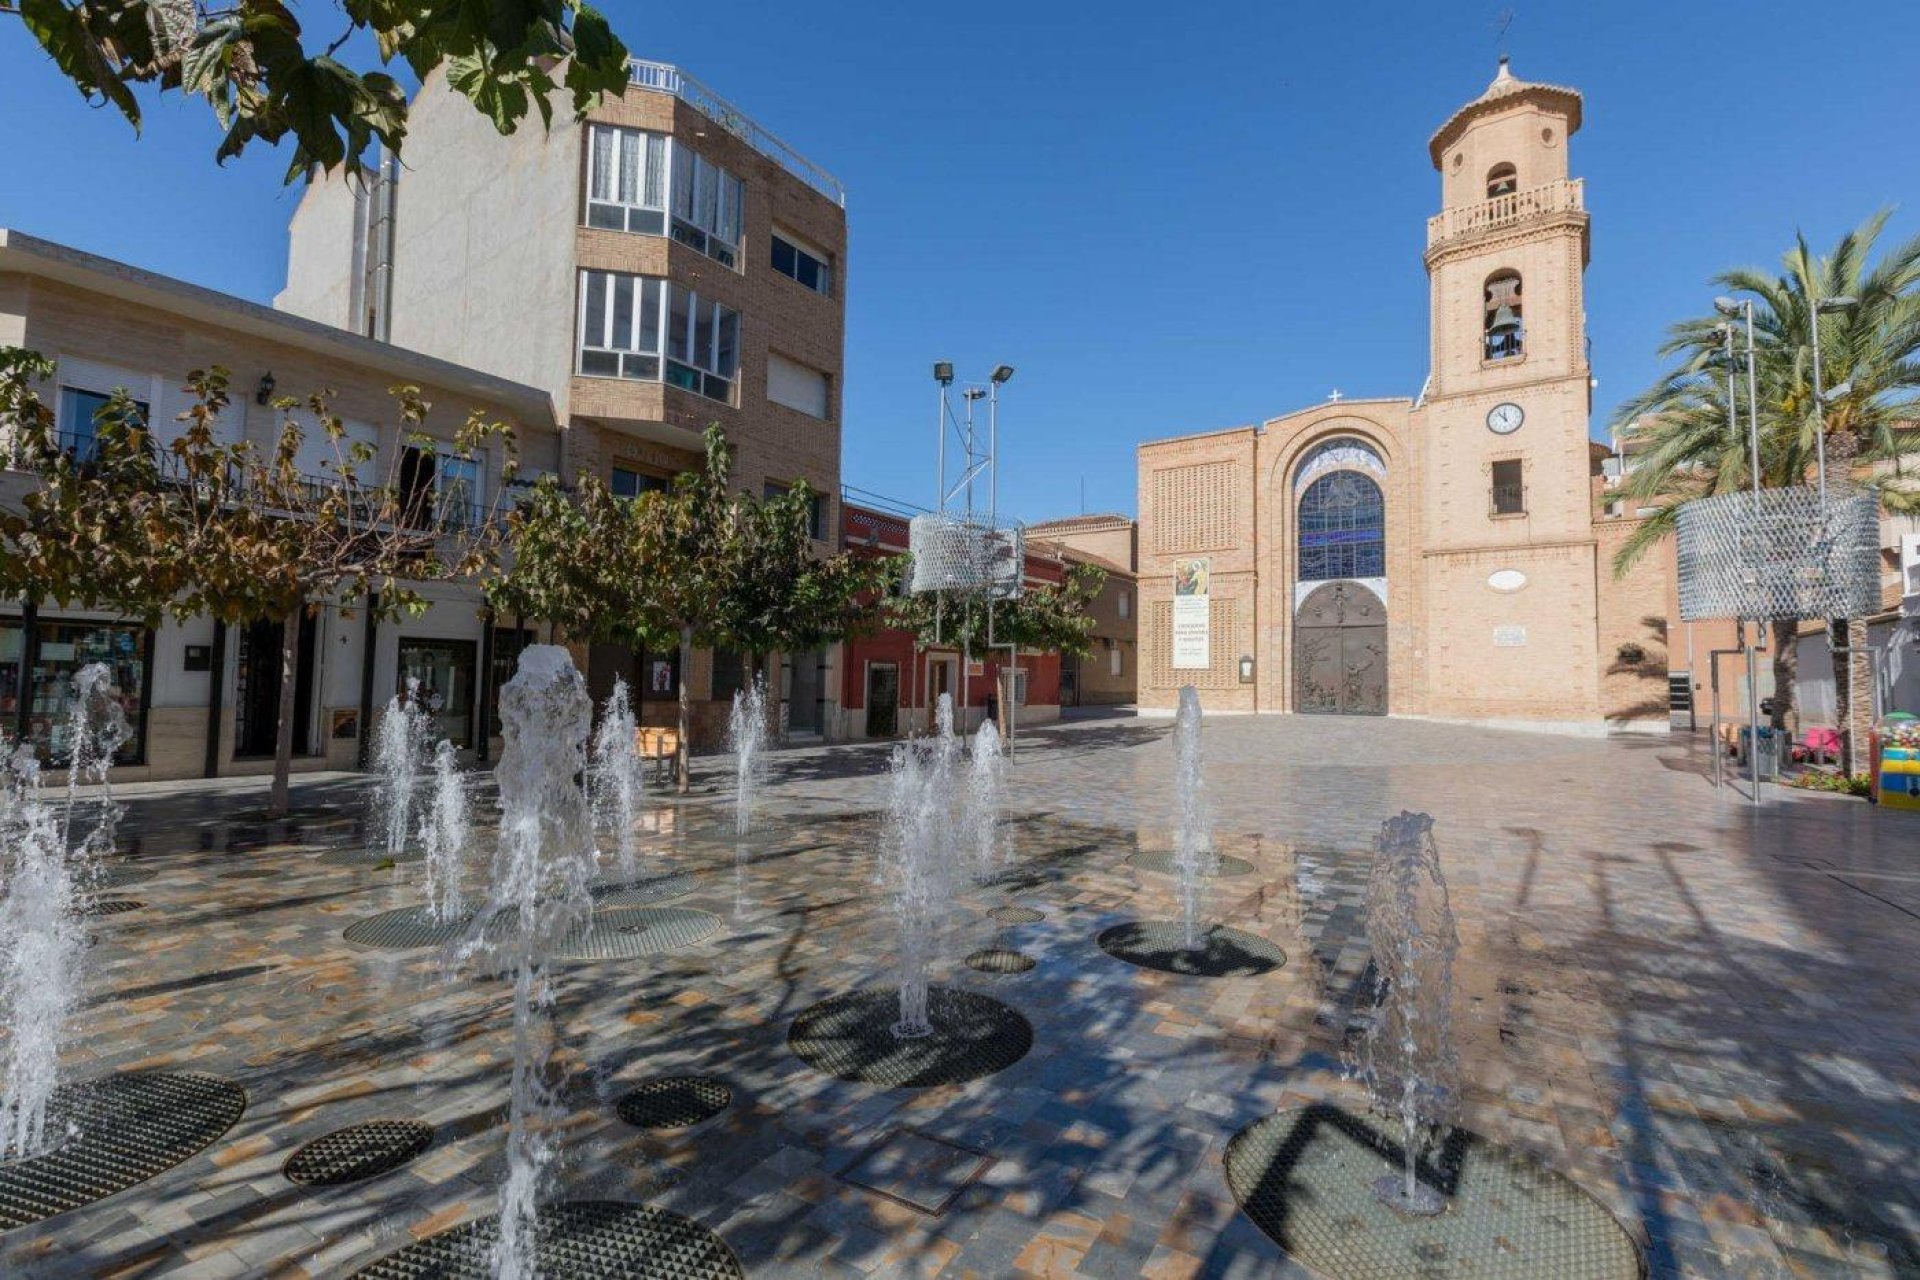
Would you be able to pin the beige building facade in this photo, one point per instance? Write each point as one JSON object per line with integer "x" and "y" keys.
{"x": 1444, "y": 556}
{"x": 1110, "y": 674}
{"x": 665, "y": 265}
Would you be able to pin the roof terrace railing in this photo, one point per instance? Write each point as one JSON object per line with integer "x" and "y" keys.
{"x": 666, "y": 78}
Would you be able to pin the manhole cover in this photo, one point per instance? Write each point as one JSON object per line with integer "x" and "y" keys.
{"x": 119, "y": 877}
{"x": 1160, "y": 944}
{"x": 1304, "y": 1177}
{"x": 1016, "y": 915}
{"x": 249, "y": 873}
{"x": 621, "y": 933}
{"x": 578, "y": 1238}
{"x": 125, "y": 1129}
{"x": 1000, "y": 960}
{"x": 1162, "y": 861}
{"x": 648, "y": 889}
{"x": 111, "y": 906}
{"x": 674, "y": 1102}
{"x": 358, "y": 1151}
{"x": 406, "y": 928}
{"x": 850, "y": 1037}
{"x": 365, "y": 859}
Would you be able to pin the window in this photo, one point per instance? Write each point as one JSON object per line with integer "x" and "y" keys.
{"x": 445, "y": 670}
{"x": 1502, "y": 180}
{"x": 628, "y": 483}
{"x": 797, "y": 387}
{"x": 1509, "y": 490}
{"x": 808, "y": 266}
{"x": 79, "y": 412}
{"x": 627, "y": 180}
{"x": 1115, "y": 665}
{"x": 624, "y": 319}
{"x": 1505, "y": 337}
{"x": 816, "y": 507}
{"x": 729, "y": 674}
{"x": 1342, "y": 528}
{"x": 51, "y": 653}
{"x": 706, "y": 206}
{"x": 1126, "y": 607}
{"x": 459, "y": 486}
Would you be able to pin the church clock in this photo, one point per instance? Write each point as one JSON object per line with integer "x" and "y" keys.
{"x": 1505, "y": 419}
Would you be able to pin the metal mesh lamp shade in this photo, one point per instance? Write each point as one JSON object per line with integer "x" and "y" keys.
{"x": 1786, "y": 555}
{"x": 961, "y": 553}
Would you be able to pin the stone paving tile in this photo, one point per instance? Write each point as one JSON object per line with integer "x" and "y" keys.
{"x": 1703, "y": 1015}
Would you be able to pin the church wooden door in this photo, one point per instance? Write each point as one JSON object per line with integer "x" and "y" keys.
{"x": 1340, "y": 652}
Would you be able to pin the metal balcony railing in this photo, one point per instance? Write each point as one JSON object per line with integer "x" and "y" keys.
{"x": 1509, "y": 499}
{"x": 664, "y": 77}
{"x": 1568, "y": 195}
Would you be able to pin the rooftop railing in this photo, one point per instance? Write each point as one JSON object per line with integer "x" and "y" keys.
{"x": 1566, "y": 195}
{"x": 666, "y": 78}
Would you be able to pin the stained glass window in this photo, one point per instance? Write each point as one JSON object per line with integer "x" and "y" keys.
{"x": 1342, "y": 528}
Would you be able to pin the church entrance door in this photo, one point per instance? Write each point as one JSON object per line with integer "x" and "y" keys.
{"x": 1340, "y": 652}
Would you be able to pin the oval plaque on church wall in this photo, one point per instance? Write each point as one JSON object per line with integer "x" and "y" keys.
{"x": 1506, "y": 580}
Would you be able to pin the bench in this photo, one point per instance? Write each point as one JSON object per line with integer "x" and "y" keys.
{"x": 662, "y": 746}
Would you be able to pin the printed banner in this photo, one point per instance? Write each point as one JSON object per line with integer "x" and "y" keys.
{"x": 1192, "y": 616}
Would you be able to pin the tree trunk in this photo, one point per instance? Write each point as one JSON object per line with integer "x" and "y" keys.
{"x": 1786, "y": 671}
{"x": 278, "y": 800}
{"x": 684, "y": 765}
{"x": 1853, "y": 694}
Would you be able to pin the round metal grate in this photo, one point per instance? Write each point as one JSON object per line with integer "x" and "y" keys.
{"x": 111, "y": 906}
{"x": 1000, "y": 960}
{"x": 365, "y": 859}
{"x": 621, "y": 933}
{"x": 1305, "y": 1178}
{"x": 123, "y": 1129}
{"x": 646, "y": 890}
{"x": 1162, "y": 862}
{"x": 358, "y": 1151}
{"x": 850, "y": 1037}
{"x": 578, "y": 1238}
{"x": 1016, "y": 915}
{"x": 1158, "y": 944}
{"x": 674, "y": 1102}
{"x": 406, "y": 928}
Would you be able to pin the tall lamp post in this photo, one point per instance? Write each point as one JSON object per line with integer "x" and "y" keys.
{"x": 1729, "y": 308}
{"x": 1838, "y": 636}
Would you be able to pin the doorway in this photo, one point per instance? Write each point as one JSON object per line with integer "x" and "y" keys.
{"x": 883, "y": 700}
{"x": 445, "y": 670}
{"x": 256, "y": 689}
{"x": 804, "y": 691}
{"x": 1340, "y": 652}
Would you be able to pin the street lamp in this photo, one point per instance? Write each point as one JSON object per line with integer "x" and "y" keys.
{"x": 943, "y": 372}
{"x": 1001, "y": 372}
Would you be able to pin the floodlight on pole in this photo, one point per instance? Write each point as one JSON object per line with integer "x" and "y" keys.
{"x": 1001, "y": 373}
{"x": 943, "y": 372}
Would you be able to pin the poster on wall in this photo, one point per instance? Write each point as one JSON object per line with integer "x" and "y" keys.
{"x": 1192, "y": 617}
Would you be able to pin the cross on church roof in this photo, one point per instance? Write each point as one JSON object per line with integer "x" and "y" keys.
{"x": 1334, "y": 395}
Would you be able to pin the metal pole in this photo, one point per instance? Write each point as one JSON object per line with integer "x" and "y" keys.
{"x": 1753, "y": 413}
{"x": 1819, "y": 408}
{"x": 1753, "y": 711}
{"x": 940, "y": 432}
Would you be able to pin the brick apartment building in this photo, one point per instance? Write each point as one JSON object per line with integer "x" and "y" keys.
{"x": 666, "y": 264}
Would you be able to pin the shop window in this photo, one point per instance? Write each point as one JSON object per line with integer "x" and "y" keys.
{"x": 445, "y": 670}
{"x": 50, "y": 654}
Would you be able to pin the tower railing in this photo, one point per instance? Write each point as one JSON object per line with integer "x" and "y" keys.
{"x": 1564, "y": 196}
{"x": 667, "y": 78}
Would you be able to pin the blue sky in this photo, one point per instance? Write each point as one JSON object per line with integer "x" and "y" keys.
{"x": 1169, "y": 219}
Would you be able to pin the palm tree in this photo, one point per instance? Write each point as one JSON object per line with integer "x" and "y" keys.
{"x": 1686, "y": 447}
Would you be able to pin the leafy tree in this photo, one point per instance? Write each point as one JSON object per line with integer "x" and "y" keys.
{"x": 265, "y": 81}
{"x": 1679, "y": 427}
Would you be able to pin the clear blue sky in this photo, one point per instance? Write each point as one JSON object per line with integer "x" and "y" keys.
{"x": 1170, "y": 218}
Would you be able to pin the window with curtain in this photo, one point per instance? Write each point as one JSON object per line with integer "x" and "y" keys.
{"x": 706, "y": 206}
{"x": 626, "y": 179}
{"x": 629, "y": 323}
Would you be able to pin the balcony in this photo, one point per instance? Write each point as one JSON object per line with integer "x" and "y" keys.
{"x": 1564, "y": 196}
{"x": 663, "y": 77}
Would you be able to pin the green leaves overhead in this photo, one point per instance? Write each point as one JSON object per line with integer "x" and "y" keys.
{"x": 251, "y": 63}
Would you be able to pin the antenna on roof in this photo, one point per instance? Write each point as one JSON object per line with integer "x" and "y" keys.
{"x": 1501, "y": 22}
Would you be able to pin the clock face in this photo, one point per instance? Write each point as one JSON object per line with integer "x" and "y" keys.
{"x": 1505, "y": 419}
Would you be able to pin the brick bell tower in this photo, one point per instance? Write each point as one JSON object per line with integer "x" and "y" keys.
{"x": 1510, "y": 554}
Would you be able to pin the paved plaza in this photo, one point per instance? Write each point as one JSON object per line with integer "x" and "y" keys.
{"x": 1700, "y": 1012}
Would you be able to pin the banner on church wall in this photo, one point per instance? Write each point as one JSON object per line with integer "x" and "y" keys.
{"x": 1192, "y": 616}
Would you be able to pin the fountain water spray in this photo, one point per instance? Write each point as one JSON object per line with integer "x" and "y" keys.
{"x": 918, "y": 856}
{"x": 618, "y": 771}
{"x": 398, "y": 753}
{"x": 1407, "y": 1060}
{"x": 985, "y": 850}
{"x": 1194, "y": 857}
{"x": 543, "y": 869}
{"x": 747, "y": 740}
{"x": 444, "y": 831}
{"x": 42, "y": 936}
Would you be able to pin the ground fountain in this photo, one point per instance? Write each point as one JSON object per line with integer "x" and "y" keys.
{"x": 444, "y": 832}
{"x": 747, "y": 740}
{"x": 617, "y": 776}
{"x": 398, "y": 754}
{"x": 986, "y": 851}
{"x": 542, "y": 873}
{"x": 1194, "y": 858}
{"x": 1407, "y": 1060}
{"x": 919, "y": 854}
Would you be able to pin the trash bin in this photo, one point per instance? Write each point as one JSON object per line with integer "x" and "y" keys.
{"x": 1766, "y": 762}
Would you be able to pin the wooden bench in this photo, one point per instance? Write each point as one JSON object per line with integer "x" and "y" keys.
{"x": 662, "y": 746}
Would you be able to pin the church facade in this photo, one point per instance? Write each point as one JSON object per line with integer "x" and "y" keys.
{"x": 1447, "y": 556}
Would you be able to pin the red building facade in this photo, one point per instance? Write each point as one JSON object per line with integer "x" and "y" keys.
{"x": 887, "y": 685}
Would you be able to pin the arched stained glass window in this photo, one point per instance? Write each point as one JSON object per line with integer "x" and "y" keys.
{"x": 1343, "y": 522}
